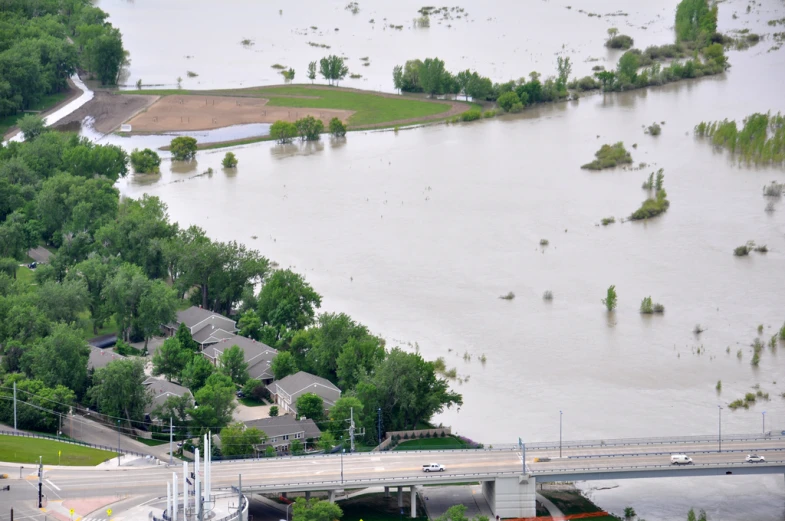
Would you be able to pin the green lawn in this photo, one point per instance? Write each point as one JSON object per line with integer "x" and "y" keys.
{"x": 87, "y": 329}
{"x": 151, "y": 443}
{"x": 46, "y": 103}
{"x": 25, "y": 274}
{"x": 27, "y": 450}
{"x": 249, "y": 402}
{"x": 448, "y": 442}
{"x": 370, "y": 108}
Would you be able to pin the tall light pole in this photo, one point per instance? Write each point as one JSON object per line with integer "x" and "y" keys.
{"x": 719, "y": 428}
{"x": 342, "y": 451}
{"x": 764, "y": 422}
{"x": 560, "y": 415}
{"x": 118, "y": 443}
{"x": 379, "y": 412}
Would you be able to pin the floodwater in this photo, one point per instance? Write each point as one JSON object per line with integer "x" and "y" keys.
{"x": 417, "y": 233}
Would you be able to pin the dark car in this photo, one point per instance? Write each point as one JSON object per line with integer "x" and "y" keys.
{"x": 240, "y": 394}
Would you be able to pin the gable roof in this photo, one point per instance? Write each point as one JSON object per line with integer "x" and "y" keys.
{"x": 203, "y": 324}
{"x": 101, "y": 357}
{"x": 300, "y": 383}
{"x": 210, "y": 334}
{"x": 280, "y": 425}
{"x": 258, "y": 355}
{"x": 161, "y": 389}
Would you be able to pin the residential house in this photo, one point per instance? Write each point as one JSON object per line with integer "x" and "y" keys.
{"x": 161, "y": 389}
{"x": 259, "y": 356}
{"x": 282, "y": 430}
{"x": 286, "y": 391}
{"x": 101, "y": 357}
{"x": 206, "y": 327}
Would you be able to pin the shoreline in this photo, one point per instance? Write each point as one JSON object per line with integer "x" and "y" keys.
{"x": 73, "y": 92}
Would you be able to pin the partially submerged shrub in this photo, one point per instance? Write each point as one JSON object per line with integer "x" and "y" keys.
{"x": 229, "y": 160}
{"x": 774, "y": 189}
{"x": 471, "y": 115}
{"x": 654, "y": 129}
{"x": 648, "y": 307}
{"x": 608, "y": 220}
{"x": 621, "y": 41}
{"x": 609, "y": 156}
{"x": 508, "y": 296}
{"x": 611, "y": 299}
{"x": 741, "y": 251}
{"x": 337, "y": 128}
{"x": 544, "y": 242}
{"x": 652, "y": 207}
{"x": 145, "y": 161}
{"x": 548, "y": 295}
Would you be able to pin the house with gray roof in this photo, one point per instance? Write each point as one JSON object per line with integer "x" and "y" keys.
{"x": 161, "y": 389}
{"x": 206, "y": 327}
{"x": 258, "y": 356}
{"x": 101, "y": 357}
{"x": 286, "y": 390}
{"x": 282, "y": 430}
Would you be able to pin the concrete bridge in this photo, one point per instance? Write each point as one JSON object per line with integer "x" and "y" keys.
{"x": 508, "y": 486}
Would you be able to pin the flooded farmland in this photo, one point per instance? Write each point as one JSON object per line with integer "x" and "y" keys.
{"x": 417, "y": 233}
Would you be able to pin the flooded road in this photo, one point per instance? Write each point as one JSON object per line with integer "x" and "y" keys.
{"x": 417, "y": 233}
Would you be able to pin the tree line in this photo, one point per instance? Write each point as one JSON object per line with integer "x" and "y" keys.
{"x": 123, "y": 266}
{"x": 37, "y": 58}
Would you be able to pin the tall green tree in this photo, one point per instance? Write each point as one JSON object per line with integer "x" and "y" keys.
{"x": 310, "y": 405}
{"x": 118, "y": 389}
{"x": 398, "y": 78}
{"x": 611, "y": 299}
{"x": 196, "y": 373}
{"x": 287, "y": 300}
{"x": 216, "y": 402}
{"x": 312, "y": 71}
{"x": 432, "y": 76}
{"x": 171, "y": 359}
{"x": 123, "y": 294}
{"x": 342, "y": 412}
{"x": 183, "y": 336}
{"x": 315, "y": 510}
{"x": 201, "y": 259}
{"x": 59, "y": 359}
{"x": 95, "y": 272}
{"x": 333, "y": 69}
{"x": 63, "y": 301}
{"x": 176, "y": 408}
{"x": 239, "y": 440}
{"x": 232, "y": 364}
{"x": 31, "y": 126}
{"x": 283, "y": 365}
{"x": 183, "y": 148}
{"x": 158, "y": 306}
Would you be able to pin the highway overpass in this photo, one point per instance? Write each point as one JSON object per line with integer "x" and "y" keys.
{"x": 509, "y": 490}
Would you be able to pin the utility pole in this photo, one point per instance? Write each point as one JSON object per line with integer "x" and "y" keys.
{"x": 40, "y": 482}
{"x": 351, "y": 429}
{"x": 170, "y": 440}
{"x": 240, "y": 498}
{"x": 14, "y": 406}
{"x": 119, "y": 456}
{"x": 380, "y": 425}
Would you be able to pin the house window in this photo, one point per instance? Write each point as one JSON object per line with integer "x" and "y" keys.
{"x": 285, "y": 437}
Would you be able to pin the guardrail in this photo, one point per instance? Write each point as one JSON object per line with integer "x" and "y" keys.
{"x": 654, "y": 441}
{"x": 733, "y": 464}
{"x": 71, "y": 442}
{"x": 665, "y": 453}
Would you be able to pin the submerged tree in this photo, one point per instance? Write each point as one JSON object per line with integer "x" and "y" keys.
{"x": 611, "y": 298}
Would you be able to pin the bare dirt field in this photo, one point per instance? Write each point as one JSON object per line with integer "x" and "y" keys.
{"x": 108, "y": 110}
{"x": 190, "y": 112}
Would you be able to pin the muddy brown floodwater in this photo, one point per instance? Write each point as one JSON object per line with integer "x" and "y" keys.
{"x": 417, "y": 233}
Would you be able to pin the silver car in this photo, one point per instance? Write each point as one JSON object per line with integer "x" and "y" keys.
{"x": 754, "y": 458}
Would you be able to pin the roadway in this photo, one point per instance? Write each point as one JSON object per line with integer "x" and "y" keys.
{"x": 323, "y": 472}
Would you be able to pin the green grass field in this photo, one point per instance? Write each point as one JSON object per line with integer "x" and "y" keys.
{"x": 27, "y": 450}
{"x": 151, "y": 443}
{"x": 370, "y": 108}
{"x": 46, "y": 103}
{"x": 448, "y": 442}
{"x": 250, "y": 402}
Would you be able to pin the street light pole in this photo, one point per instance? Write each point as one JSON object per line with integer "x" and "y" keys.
{"x": 719, "y": 428}
{"x": 560, "y": 415}
{"x": 764, "y": 422}
{"x": 118, "y": 443}
{"x": 342, "y": 451}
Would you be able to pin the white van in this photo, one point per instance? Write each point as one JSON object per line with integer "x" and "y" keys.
{"x": 681, "y": 459}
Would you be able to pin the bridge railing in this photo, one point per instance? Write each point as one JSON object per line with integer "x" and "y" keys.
{"x": 665, "y": 440}
{"x": 734, "y": 464}
{"x": 72, "y": 442}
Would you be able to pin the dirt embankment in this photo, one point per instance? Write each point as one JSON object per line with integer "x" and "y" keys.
{"x": 197, "y": 112}
{"x": 108, "y": 110}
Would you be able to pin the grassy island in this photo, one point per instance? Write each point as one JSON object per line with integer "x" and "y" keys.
{"x": 609, "y": 156}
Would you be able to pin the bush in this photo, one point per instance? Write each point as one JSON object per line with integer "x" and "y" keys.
{"x": 508, "y": 101}
{"x": 489, "y": 113}
{"x": 309, "y": 128}
{"x": 31, "y": 126}
{"x": 273, "y": 411}
{"x": 229, "y": 161}
{"x": 629, "y": 512}
{"x": 544, "y": 242}
{"x": 621, "y": 41}
{"x": 442, "y": 434}
{"x": 652, "y": 207}
{"x": 145, "y": 161}
{"x": 508, "y": 296}
{"x": 337, "y": 128}
{"x": 183, "y": 148}
{"x": 741, "y": 251}
{"x": 775, "y": 189}
{"x": 608, "y": 220}
{"x": 548, "y": 295}
{"x": 648, "y": 307}
{"x": 471, "y": 115}
{"x": 609, "y": 156}
{"x": 654, "y": 129}
{"x": 405, "y": 435}
{"x": 283, "y": 131}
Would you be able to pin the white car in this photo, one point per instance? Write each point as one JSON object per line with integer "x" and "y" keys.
{"x": 433, "y": 467}
{"x": 754, "y": 458}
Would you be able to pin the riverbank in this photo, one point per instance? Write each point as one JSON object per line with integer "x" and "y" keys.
{"x": 43, "y": 108}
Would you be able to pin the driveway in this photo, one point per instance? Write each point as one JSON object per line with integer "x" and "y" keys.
{"x": 244, "y": 413}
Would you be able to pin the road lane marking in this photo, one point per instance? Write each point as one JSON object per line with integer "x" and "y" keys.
{"x": 55, "y": 486}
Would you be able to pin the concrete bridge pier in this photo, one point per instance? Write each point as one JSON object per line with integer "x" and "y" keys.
{"x": 413, "y": 500}
{"x": 331, "y": 496}
{"x": 400, "y": 497}
{"x": 307, "y": 495}
{"x": 513, "y": 496}
{"x": 386, "y": 491}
